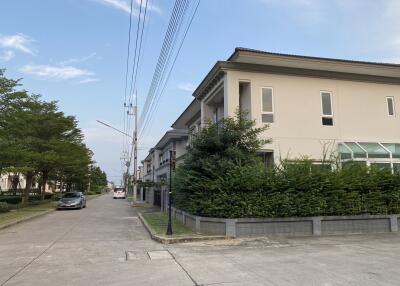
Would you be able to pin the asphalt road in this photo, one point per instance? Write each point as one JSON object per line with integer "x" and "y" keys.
{"x": 106, "y": 244}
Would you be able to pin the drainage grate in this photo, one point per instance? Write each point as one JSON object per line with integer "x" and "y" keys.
{"x": 159, "y": 254}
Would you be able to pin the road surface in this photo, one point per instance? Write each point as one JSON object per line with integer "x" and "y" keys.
{"x": 106, "y": 244}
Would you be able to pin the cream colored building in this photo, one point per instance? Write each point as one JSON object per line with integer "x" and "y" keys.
{"x": 314, "y": 107}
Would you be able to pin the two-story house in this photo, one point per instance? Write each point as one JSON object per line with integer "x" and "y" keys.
{"x": 314, "y": 107}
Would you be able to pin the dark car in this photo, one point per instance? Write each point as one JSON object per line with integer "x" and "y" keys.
{"x": 72, "y": 200}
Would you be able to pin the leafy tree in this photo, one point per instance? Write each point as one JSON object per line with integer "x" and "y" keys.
{"x": 38, "y": 140}
{"x": 222, "y": 161}
{"x": 98, "y": 179}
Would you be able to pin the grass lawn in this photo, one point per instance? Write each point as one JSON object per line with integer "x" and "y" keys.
{"x": 26, "y": 212}
{"x": 158, "y": 222}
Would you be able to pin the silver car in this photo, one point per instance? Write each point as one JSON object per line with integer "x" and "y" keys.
{"x": 72, "y": 200}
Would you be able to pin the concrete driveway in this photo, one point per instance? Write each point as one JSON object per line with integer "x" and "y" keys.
{"x": 105, "y": 244}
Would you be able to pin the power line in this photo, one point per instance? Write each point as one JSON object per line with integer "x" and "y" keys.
{"x": 161, "y": 88}
{"x": 178, "y": 13}
{"x": 160, "y": 62}
{"x": 126, "y": 74}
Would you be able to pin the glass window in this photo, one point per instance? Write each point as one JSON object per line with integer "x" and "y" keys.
{"x": 394, "y": 148}
{"x": 390, "y": 105}
{"x": 326, "y": 103}
{"x": 358, "y": 152}
{"x": 267, "y": 115}
{"x": 344, "y": 152}
{"x": 267, "y": 99}
{"x": 327, "y": 111}
{"x": 375, "y": 150}
{"x": 327, "y": 121}
{"x": 396, "y": 167}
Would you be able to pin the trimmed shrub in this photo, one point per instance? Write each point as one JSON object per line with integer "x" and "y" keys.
{"x": 4, "y": 207}
{"x": 222, "y": 176}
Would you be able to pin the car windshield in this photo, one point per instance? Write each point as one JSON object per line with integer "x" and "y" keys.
{"x": 71, "y": 195}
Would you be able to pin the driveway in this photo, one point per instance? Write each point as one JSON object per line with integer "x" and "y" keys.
{"x": 105, "y": 244}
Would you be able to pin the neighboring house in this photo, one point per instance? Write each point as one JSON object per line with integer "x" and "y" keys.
{"x": 156, "y": 166}
{"x": 10, "y": 181}
{"x": 315, "y": 107}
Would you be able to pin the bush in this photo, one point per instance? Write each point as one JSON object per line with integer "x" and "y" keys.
{"x": 222, "y": 177}
{"x": 10, "y": 199}
{"x": 4, "y": 207}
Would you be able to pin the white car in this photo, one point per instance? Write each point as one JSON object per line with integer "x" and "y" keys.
{"x": 119, "y": 194}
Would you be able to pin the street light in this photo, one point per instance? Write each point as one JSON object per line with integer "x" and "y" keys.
{"x": 116, "y": 129}
{"x": 126, "y": 177}
{"x": 172, "y": 155}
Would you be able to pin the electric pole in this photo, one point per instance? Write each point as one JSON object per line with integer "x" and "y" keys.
{"x": 134, "y": 150}
{"x": 135, "y": 179}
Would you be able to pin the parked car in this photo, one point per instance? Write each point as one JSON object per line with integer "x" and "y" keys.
{"x": 72, "y": 200}
{"x": 119, "y": 193}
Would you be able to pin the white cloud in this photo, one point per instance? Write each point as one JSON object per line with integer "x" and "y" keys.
{"x": 78, "y": 60}
{"x": 6, "y": 56}
{"x": 150, "y": 6}
{"x": 55, "y": 72}
{"x": 18, "y": 42}
{"x": 88, "y": 80}
{"x": 185, "y": 86}
{"x": 125, "y": 6}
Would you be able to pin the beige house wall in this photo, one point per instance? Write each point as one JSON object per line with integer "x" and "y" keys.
{"x": 359, "y": 111}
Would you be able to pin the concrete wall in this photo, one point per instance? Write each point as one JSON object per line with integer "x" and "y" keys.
{"x": 296, "y": 226}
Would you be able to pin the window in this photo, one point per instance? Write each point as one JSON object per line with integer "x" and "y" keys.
{"x": 327, "y": 112}
{"x": 267, "y": 112}
{"x": 390, "y": 105}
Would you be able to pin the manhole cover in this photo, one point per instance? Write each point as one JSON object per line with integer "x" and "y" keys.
{"x": 159, "y": 254}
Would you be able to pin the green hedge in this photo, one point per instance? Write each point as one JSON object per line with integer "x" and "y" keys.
{"x": 13, "y": 200}
{"x": 295, "y": 189}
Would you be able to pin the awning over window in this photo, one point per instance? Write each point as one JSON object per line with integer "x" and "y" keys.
{"x": 373, "y": 150}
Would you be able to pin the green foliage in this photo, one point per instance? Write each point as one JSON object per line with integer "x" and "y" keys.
{"x": 3, "y": 207}
{"x": 98, "y": 180}
{"x": 223, "y": 178}
{"x": 39, "y": 141}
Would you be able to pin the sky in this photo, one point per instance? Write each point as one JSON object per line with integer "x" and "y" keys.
{"x": 74, "y": 51}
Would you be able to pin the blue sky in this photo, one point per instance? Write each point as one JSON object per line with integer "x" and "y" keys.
{"x": 74, "y": 51}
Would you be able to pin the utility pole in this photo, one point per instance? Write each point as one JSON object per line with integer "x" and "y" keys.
{"x": 134, "y": 150}
{"x": 172, "y": 163}
{"x": 135, "y": 179}
{"x": 90, "y": 178}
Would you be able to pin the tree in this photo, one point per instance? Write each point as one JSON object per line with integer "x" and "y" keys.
{"x": 98, "y": 179}
{"x": 37, "y": 139}
{"x": 223, "y": 160}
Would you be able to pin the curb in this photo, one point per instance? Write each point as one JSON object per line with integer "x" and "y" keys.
{"x": 25, "y": 219}
{"x": 171, "y": 240}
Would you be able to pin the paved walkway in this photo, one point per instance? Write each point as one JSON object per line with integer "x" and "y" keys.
{"x": 105, "y": 244}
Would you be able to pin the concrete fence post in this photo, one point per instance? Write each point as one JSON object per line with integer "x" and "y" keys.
{"x": 316, "y": 223}
{"x": 183, "y": 218}
{"x": 198, "y": 221}
{"x": 230, "y": 227}
{"x": 394, "y": 227}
